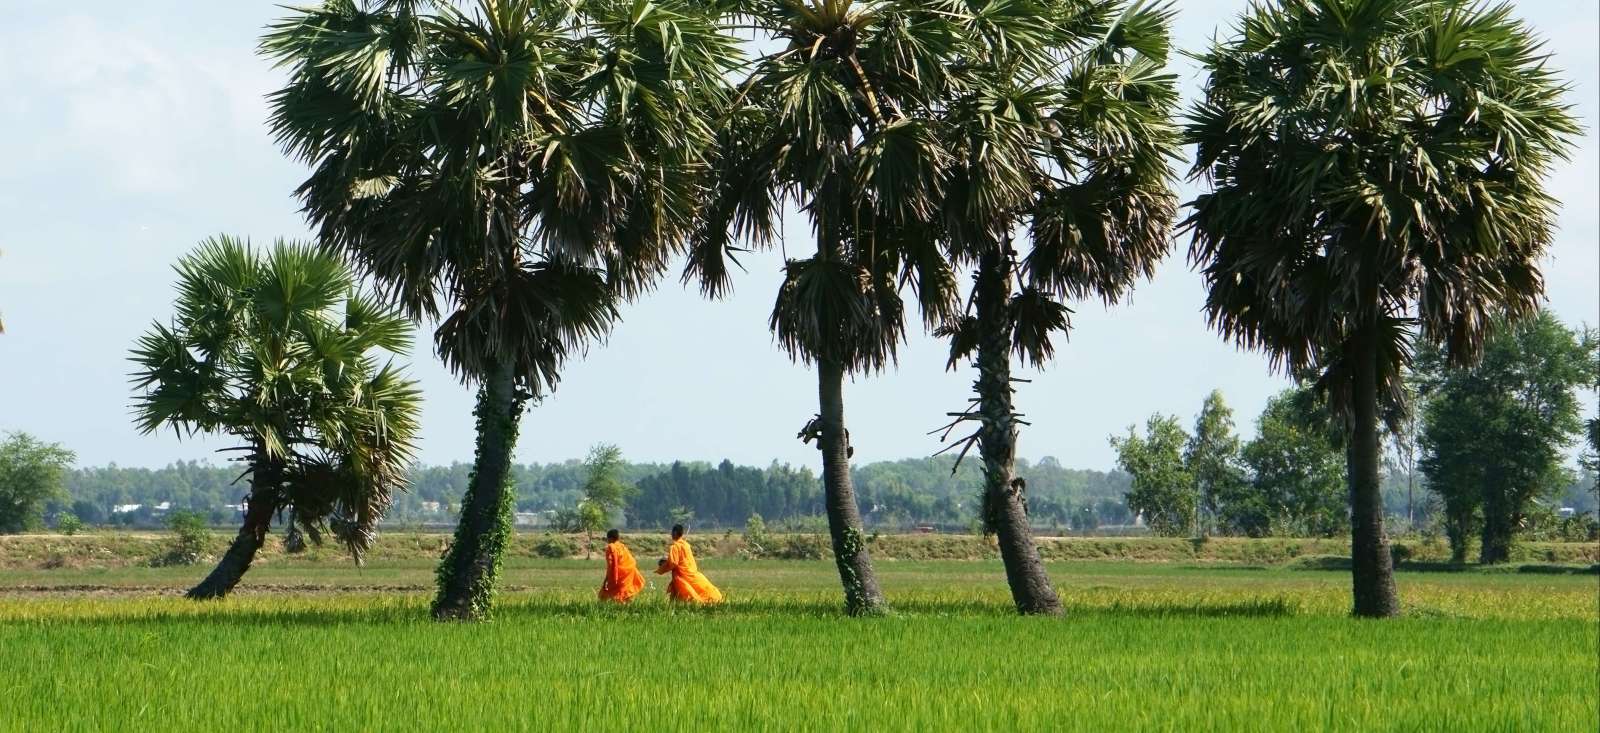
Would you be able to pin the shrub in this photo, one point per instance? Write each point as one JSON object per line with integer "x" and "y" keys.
{"x": 755, "y": 536}
{"x": 801, "y": 547}
{"x": 68, "y": 524}
{"x": 1400, "y": 553}
{"x": 554, "y": 547}
{"x": 189, "y": 539}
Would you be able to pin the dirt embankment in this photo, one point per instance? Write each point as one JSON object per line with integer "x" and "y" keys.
{"x": 132, "y": 549}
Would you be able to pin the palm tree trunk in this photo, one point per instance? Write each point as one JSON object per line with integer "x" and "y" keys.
{"x": 1372, "y": 567}
{"x": 469, "y": 570}
{"x": 997, "y": 443}
{"x": 236, "y": 561}
{"x": 861, "y": 594}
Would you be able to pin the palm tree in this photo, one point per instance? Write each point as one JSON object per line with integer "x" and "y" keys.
{"x": 516, "y": 170}
{"x": 1063, "y": 131}
{"x": 277, "y": 353}
{"x": 1377, "y": 172}
{"x": 838, "y": 122}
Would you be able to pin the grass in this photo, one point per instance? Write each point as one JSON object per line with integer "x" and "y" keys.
{"x": 1144, "y": 647}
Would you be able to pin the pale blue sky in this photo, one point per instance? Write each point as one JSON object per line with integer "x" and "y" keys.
{"x": 129, "y": 131}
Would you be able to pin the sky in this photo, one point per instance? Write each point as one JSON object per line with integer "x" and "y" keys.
{"x": 131, "y": 131}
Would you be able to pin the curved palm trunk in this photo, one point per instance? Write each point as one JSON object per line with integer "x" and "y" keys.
{"x": 861, "y": 594}
{"x": 1372, "y": 567}
{"x": 997, "y": 443}
{"x": 241, "y": 553}
{"x": 468, "y": 573}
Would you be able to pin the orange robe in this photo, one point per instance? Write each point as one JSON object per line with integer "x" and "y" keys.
{"x": 623, "y": 579}
{"x": 687, "y": 584}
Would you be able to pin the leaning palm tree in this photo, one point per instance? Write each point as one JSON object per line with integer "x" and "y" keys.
{"x": 838, "y": 121}
{"x": 1065, "y": 133}
{"x": 516, "y": 169}
{"x": 1377, "y": 171}
{"x": 278, "y": 353}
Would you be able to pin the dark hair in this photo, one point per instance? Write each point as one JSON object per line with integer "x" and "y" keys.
{"x": 677, "y": 530}
{"x": 613, "y": 535}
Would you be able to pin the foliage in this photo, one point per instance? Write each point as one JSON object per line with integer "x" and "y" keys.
{"x": 68, "y": 524}
{"x": 189, "y": 541}
{"x": 604, "y": 492}
{"x": 515, "y": 169}
{"x": 1495, "y": 435}
{"x": 1297, "y": 468}
{"x": 895, "y": 494}
{"x": 1212, "y": 458}
{"x": 1163, "y": 490}
{"x": 554, "y": 546}
{"x": 31, "y": 474}
{"x": 1370, "y": 158}
{"x": 281, "y": 352}
{"x": 755, "y": 536}
{"x": 801, "y": 547}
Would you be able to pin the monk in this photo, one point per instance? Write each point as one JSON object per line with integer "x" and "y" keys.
{"x": 623, "y": 579}
{"x": 687, "y": 585}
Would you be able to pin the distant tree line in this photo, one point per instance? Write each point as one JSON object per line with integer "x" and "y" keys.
{"x": 1488, "y": 446}
{"x": 894, "y": 494}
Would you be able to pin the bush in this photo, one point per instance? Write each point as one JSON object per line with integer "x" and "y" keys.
{"x": 554, "y": 547}
{"x": 68, "y": 524}
{"x": 755, "y": 536}
{"x": 189, "y": 540}
{"x": 1400, "y": 553}
{"x": 801, "y": 547}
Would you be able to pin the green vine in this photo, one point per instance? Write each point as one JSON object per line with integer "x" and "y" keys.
{"x": 471, "y": 549}
{"x": 856, "y": 599}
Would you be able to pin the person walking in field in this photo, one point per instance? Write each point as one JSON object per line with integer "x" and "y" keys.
{"x": 623, "y": 579}
{"x": 688, "y": 584}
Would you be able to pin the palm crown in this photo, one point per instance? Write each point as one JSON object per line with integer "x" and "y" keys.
{"x": 1374, "y": 163}
{"x": 524, "y": 163}
{"x": 1063, "y": 131}
{"x": 839, "y": 123}
{"x": 280, "y": 353}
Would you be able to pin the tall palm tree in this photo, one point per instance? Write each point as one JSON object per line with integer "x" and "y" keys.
{"x": 1063, "y": 131}
{"x": 838, "y": 122}
{"x": 517, "y": 169}
{"x": 1377, "y": 176}
{"x": 278, "y": 352}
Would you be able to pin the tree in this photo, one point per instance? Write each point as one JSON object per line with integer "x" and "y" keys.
{"x": 604, "y": 492}
{"x": 32, "y": 472}
{"x": 1163, "y": 489}
{"x": 280, "y": 353}
{"x": 1377, "y": 178}
{"x": 839, "y": 122}
{"x": 516, "y": 170}
{"x": 1062, "y": 129}
{"x": 1212, "y": 458}
{"x": 1297, "y": 468}
{"x": 1495, "y": 435}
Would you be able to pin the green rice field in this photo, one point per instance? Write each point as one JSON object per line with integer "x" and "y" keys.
{"x": 1144, "y": 646}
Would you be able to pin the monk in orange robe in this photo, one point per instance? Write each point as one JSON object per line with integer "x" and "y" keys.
{"x": 623, "y": 579}
{"x": 687, "y": 585}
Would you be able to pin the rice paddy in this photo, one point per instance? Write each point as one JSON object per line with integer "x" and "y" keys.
{"x": 1143, "y": 647}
